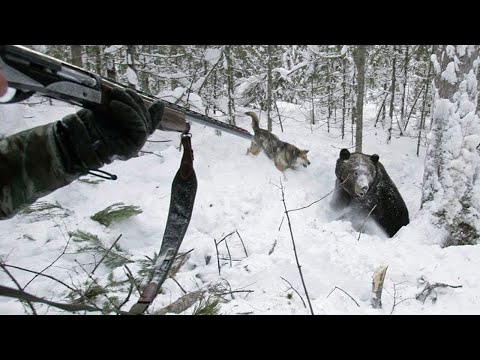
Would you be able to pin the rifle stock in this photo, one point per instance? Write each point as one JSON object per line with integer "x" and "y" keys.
{"x": 31, "y": 72}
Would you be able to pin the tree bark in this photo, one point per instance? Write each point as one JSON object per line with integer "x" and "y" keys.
{"x": 360, "y": 65}
{"x": 269, "y": 86}
{"x": 110, "y": 63}
{"x": 344, "y": 99}
{"x": 76, "y": 51}
{"x": 131, "y": 55}
{"x": 230, "y": 84}
{"x": 404, "y": 92}
{"x": 392, "y": 96}
{"x": 421, "y": 126}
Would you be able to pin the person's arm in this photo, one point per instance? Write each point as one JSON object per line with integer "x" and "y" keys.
{"x": 3, "y": 85}
{"x": 30, "y": 167}
{"x": 35, "y": 162}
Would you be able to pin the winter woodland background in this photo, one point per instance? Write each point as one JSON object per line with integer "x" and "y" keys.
{"x": 414, "y": 105}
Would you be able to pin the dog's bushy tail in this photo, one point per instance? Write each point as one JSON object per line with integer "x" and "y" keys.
{"x": 255, "y": 121}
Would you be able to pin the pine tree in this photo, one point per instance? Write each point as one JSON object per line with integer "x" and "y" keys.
{"x": 450, "y": 188}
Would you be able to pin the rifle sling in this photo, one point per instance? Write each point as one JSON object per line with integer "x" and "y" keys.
{"x": 184, "y": 188}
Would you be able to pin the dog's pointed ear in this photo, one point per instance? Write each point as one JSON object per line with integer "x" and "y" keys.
{"x": 344, "y": 154}
{"x": 375, "y": 158}
{"x": 306, "y": 151}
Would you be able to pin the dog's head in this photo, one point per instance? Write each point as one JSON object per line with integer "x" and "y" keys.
{"x": 302, "y": 158}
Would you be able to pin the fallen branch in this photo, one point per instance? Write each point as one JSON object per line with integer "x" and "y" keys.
{"x": 130, "y": 290}
{"x": 395, "y": 303}
{"x": 241, "y": 240}
{"x": 179, "y": 261}
{"x": 273, "y": 247}
{"x": 281, "y": 222}
{"x": 22, "y": 295}
{"x": 429, "y": 288}
{"x": 377, "y": 286}
{"x": 40, "y": 274}
{"x": 158, "y": 141}
{"x": 180, "y": 286}
{"x": 291, "y": 287}
{"x": 181, "y": 304}
{"x": 336, "y": 287}
{"x": 51, "y": 264}
{"x": 18, "y": 286}
{"x": 218, "y": 256}
{"x": 96, "y": 283}
{"x": 307, "y": 206}
{"x": 106, "y": 254}
{"x": 225, "y": 237}
{"x": 150, "y": 152}
{"x": 132, "y": 279}
{"x": 295, "y": 250}
{"x": 228, "y": 251}
{"x": 364, "y": 221}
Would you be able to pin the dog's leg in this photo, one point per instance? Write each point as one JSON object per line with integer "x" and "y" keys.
{"x": 254, "y": 149}
{"x": 280, "y": 166}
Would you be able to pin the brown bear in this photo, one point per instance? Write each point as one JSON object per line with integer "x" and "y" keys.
{"x": 362, "y": 182}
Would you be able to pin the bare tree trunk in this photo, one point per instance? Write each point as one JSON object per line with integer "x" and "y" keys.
{"x": 278, "y": 113}
{"x": 312, "y": 93}
{"x": 404, "y": 92}
{"x": 215, "y": 95}
{"x": 230, "y": 84}
{"x": 421, "y": 126}
{"x": 97, "y": 51}
{"x": 131, "y": 56}
{"x": 382, "y": 109}
{"x": 111, "y": 70}
{"x": 344, "y": 100}
{"x": 392, "y": 96}
{"x": 384, "y": 112}
{"x": 329, "y": 109}
{"x": 144, "y": 74}
{"x": 420, "y": 92}
{"x": 360, "y": 54}
{"x": 353, "y": 100}
{"x": 76, "y": 51}
{"x": 269, "y": 86}
{"x": 452, "y": 162}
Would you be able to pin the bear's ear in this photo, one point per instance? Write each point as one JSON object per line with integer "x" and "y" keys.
{"x": 375, "y": 158}
{"x": 344, "y": 154}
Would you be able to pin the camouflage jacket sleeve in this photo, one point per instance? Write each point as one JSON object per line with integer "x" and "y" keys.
{"x": 31, "y": 166}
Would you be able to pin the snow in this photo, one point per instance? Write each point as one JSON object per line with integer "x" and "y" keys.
{"x": 112, "y": 48}
{"x": 453, "y": 140}
{"x": 212, "y": 55}
{"x": 131, "y": 76}
{"x": 240, "y": 192}
{"x": 449, "y": 74}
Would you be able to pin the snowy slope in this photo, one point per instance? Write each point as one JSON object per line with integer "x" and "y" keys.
{"x": 239, "y": 192}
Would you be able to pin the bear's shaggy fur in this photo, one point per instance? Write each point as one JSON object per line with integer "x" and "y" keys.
{"x": 362, "y": 182}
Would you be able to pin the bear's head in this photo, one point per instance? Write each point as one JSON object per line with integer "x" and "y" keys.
{"x": 356, "y": 172}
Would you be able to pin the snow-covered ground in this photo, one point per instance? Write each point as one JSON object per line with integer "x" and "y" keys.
{"x": 240, "y": 192}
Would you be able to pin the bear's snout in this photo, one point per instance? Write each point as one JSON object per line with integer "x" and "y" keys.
{"x": 361, "y": 190}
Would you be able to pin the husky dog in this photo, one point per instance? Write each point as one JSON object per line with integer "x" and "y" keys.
{"x": 283, "y": 154}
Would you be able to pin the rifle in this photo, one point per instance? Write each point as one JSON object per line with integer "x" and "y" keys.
{"x": 29, "y": 72}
